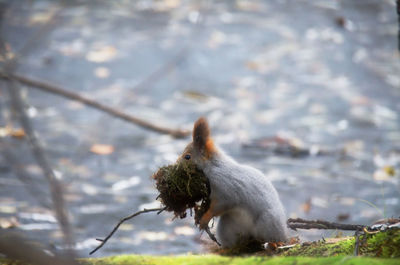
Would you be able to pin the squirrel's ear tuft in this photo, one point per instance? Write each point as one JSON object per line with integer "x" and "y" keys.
{"x": 201, "y": 133}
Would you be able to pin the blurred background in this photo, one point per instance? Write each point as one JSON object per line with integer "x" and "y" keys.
{"x": 307, "y": 91}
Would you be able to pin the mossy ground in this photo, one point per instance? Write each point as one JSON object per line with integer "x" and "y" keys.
{"x": 380, "y": 248}
{"x": 220, "y": 260}
{"x": 382, "y": 244}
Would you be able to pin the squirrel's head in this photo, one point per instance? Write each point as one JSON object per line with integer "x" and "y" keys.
{"x": 202, "y": 146}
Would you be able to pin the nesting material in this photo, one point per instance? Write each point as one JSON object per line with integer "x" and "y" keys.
{"x": 183, "y": 186}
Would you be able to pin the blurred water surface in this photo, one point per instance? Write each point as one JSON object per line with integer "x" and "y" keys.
{"x": 306, "y": 91}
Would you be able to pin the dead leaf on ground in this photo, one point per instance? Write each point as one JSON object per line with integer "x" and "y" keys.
{"x": 102, "y": 72}
{"x": 18, "y": 133}
{"x": 306, "y": 207}
{"x": 41, "y": 18}
{"x": 9, "y": 131}
{"x": 6, "y": 223}
{"x": 384, "y": 174}
{"x": 101, "y": 54}
{"x": 195, "y": 95}
{"x": 342, "y": 217}
{"x": 102, "y": 149}
{"x": 389, "y": 170}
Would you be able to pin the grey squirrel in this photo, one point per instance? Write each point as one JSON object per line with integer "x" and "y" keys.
{"x": 247, "y": 204}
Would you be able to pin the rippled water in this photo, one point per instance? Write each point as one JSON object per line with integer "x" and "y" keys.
{"x": 269, "y": 75}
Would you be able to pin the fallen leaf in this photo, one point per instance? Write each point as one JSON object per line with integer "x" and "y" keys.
{"x": 18, "y": 133}
{"x": 382, "y": 174}
{"x": 306, "y": 207}
{"x": 9, "y": 131}
{"x": 252, "y": 65}
{"x": 126, "y": 183}
{"x": 8, "y": 209}
{"x": 184, "y": 231}
{"x": 342, "y": 217}
{"x": 41, "y": 18}
{"x": 102, "y": 149}
{"x": 389, "y": 170}
{"x": 152, "y": 236}
{"x": 101, "y": 72}
{"x": 126, "y": 227}
{"x": 4, "y": 131}
{"x": 294, "y": 240}
{"x": 172, "y": 3}
{"x": 216, "y": 39}
{"x": 195, "y": 95}
{"x": 248, "y": 5}
{"x": 102, "y": 54}
{"x": 6, "y": 223}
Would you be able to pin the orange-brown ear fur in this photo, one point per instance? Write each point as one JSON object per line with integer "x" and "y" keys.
{"x": 201, "y": 137}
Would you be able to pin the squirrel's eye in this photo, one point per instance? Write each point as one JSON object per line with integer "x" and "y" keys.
{"x": 187, "y": 157}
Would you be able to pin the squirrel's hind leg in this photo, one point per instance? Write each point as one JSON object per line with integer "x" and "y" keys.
{"x": 233, "y": 227}
{"x": 227, "y": 231}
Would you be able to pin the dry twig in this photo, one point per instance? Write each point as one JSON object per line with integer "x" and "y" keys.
{"x": 398, "y": 19}
{"x": 103, "y": 241}
{"x": 55, "y": 186}
{"x": 17, "y": 103}
{"x": 94, "y": 104}
{"x": 212, "y": 236}
{"x": 320, "y": 224}
{"x": 32, "y": 186}
{"x": 161, "y": 71}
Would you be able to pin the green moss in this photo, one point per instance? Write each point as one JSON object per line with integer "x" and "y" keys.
{"x": 181, "y": 186}
{"x": 220, "y": 260}
{"x": 386, "y": 244}
{"x": 322, "y": 249}
{"x": 383, "y": 244}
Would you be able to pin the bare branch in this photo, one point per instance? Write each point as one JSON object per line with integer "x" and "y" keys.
{"x": 31, "y": 186}
{"x": 161, "y": 71}
{"x": 94, "y": 104}
{"x": 320, "y": 224}
{"x": 398, "y": 22}
{"x": 211, "y": 236}
{"x": 103, "y": 241}
{"x": 55, "y": 187}
{"x": 9, "y": 68}
{"x": 32, "y": 42}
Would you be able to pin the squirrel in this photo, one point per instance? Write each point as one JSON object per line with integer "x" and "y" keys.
{"x": 246, "y": 202}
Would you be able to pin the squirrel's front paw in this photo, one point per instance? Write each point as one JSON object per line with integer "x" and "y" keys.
{"x": 203, "y": 225}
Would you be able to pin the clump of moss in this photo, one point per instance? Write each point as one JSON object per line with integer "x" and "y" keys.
{"x": 344, "y": 246}
{"x": 182, "y": 186}
{"x": 384, "y": 244}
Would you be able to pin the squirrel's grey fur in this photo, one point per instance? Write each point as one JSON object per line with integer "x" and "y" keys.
{"x": 249, "y": 204}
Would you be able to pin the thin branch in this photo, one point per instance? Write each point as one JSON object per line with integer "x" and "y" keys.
{"x": 34, "y": 39}
{"x": 33, "y": 187}
{"x": 55, "y": 186}
{"x": 357, "y": 243}
{"x": 398, "y": 22}
{"x": 103, "y": 241}
{"x": 320, "y": 224}
{"x": 211, "y": 236}
{"x": 44, "y": 86}
{"x": 161, "y": 71}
